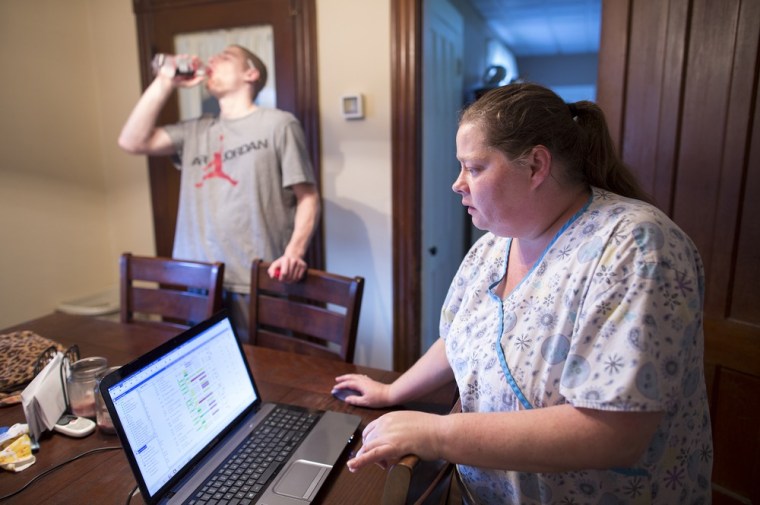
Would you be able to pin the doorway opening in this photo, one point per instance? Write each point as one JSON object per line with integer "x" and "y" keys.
{"x": 409, "y": 127}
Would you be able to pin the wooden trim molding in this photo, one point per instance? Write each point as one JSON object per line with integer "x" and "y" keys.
{"x": 613, "y": 65}
{"x": 304, "y": 17}
{"x": 406, "y": 123}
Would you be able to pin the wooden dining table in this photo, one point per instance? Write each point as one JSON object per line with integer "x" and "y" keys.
{"x": 104, "y": 477}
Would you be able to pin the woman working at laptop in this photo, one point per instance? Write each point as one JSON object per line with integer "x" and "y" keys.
{"x": 573, "y": 329}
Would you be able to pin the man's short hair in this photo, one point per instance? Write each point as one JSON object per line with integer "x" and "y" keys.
{"x": 256, "y": 62}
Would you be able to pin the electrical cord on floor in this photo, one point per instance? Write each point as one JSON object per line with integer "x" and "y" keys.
{"x": 131, "y": 494}
{"x": 56, "y": 467}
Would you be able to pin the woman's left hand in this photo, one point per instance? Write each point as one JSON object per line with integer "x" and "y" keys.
{"x": 391, "y": 437}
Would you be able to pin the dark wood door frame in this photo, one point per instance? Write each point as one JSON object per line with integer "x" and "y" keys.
{"x": 615, "y": 34}
{"x": 406, "y": 174}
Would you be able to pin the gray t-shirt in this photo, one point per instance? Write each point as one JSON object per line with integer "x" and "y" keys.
{"x": 235, "y": 202}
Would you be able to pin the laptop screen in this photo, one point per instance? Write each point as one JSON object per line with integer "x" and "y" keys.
{"x": 171, "y": 408}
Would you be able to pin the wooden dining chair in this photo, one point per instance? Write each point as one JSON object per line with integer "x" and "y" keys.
{"x": 412, "y": 481}
{"x": 169, "y": 292}
{"x": 319, "y": 315}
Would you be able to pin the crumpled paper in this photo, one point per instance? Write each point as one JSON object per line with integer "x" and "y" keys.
{"x": 16, "y": 448}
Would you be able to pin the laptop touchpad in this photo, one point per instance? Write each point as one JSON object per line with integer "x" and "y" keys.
{"x": 302, "y": 479}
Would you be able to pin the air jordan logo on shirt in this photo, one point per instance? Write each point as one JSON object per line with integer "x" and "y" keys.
{"x": 214, "y": 167}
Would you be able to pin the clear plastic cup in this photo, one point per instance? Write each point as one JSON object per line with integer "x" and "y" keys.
{"x": 83, "y": 376}
{"x": 102, "y": 417}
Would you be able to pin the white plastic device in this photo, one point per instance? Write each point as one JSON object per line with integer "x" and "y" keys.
{"x": 74, "y": 426}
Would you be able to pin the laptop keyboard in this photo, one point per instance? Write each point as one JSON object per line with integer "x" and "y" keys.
{"x": 245, "y": 474}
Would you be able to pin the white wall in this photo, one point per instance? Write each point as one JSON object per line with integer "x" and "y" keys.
{"x": 354, "y": 57}
{"x": 71, "y": 202}
{"x": 59, "y": 235}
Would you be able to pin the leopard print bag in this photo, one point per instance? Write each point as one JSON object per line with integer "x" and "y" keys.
{"x": 20, "y": 354}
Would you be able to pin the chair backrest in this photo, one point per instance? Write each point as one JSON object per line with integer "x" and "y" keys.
{"x": 318, "y": 315}
{"x": 169, "y": 292}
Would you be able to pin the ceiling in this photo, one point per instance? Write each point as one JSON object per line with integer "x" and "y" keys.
{"x": 544, "y": 27}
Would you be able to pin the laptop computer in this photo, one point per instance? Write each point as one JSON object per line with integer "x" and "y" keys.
{"x": 184, "y": 408}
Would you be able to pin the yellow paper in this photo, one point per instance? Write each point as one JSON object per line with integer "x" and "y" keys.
{"x": 18, "y": 450}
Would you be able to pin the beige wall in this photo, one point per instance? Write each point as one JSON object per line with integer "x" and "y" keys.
{"x": 354, "y": 57}
{"x": 62, "y": 212}
{"x": 71, "y": 202}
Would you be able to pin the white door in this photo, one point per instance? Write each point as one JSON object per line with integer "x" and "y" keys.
{"x": 443, "y": 217}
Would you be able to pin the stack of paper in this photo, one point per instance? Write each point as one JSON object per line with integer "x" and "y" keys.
{"x": 43, "y": 399}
